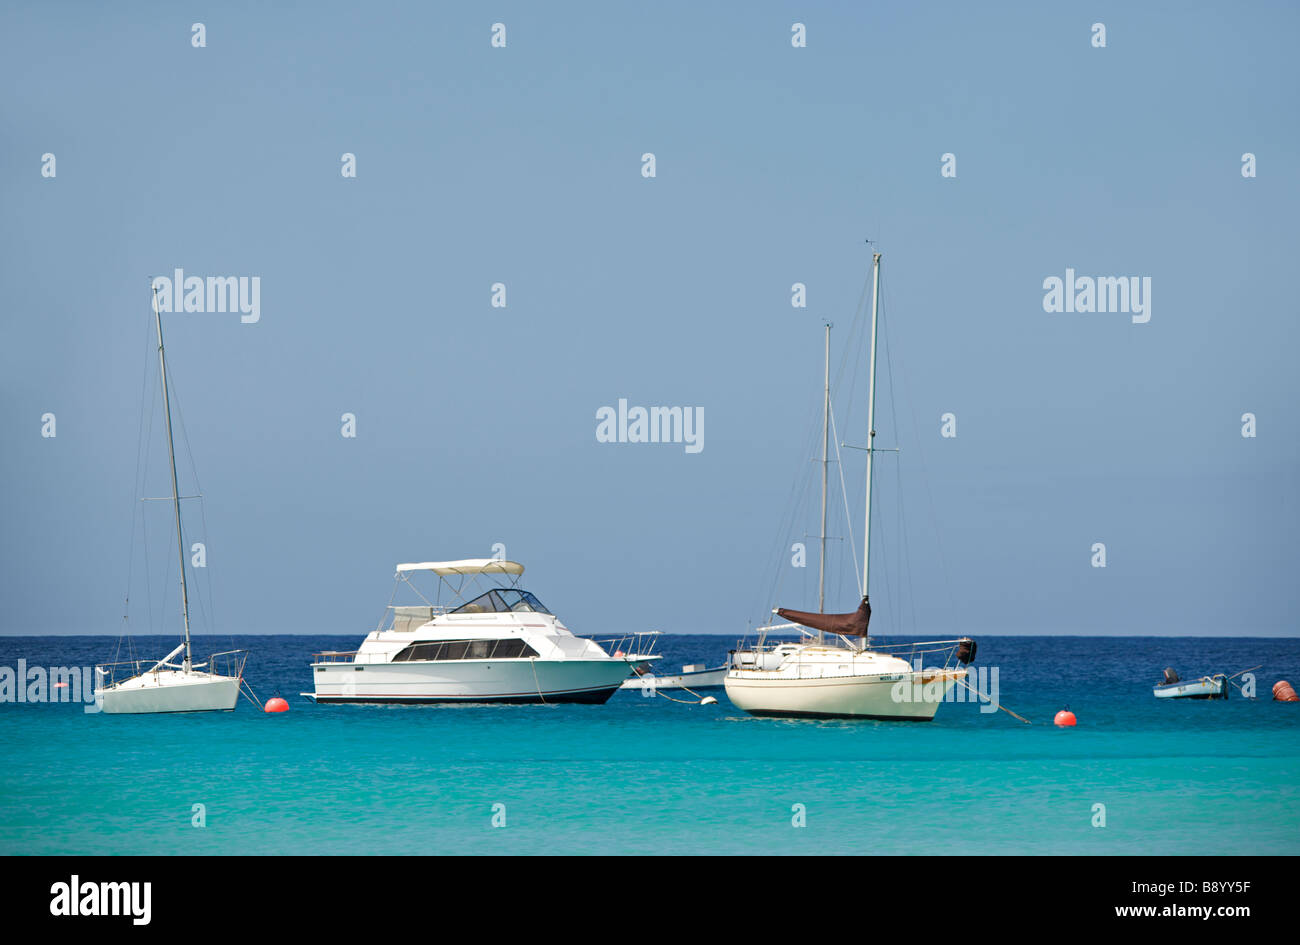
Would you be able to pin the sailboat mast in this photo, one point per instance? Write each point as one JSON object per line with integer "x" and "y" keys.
{"x": 176, "y": 495}
{"x": 871, "y": 416}
{"x": 826, "y": 433}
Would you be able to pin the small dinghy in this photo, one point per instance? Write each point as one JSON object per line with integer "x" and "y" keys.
{"x": 1206, "y": 687}
{"x": 692, "y": 676}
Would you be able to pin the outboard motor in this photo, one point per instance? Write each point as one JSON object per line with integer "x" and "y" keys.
{"x": 966, "y": 650}
{"x": 1170, "y": 676}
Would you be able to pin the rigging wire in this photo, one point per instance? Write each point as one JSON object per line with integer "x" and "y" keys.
{"x": 899, "y": 582}
{"x": 847, "y": 358}
{"x": 154, "y": 615}
{"x": 207, "y": 612}
{"x": 854, "y": 355}
{"x": 786, "y": 525}
{"x": 904, "y": 564}
{"x": 136, "y": 515}
{"x": 152, "y": 619}
{"x": 902, "y": 511}
{"x": 929, "y": 494}
{"x": 853, "y": 544}
{"x": 891, "y": 598}
{"x": 796, "y": 507}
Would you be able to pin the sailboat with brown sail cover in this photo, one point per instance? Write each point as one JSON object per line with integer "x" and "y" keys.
{"x": 836, "y": 672}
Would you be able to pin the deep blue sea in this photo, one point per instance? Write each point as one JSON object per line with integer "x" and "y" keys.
{"x": 648, "y": 776}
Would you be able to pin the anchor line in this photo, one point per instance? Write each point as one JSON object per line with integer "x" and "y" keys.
{"x": 963, "y": 682}
{"x": 533, "y": 663}
{"x": 699, "y": 698}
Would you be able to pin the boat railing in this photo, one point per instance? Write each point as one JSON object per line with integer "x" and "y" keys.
{"x": 916, "y": 652}
{"x": 348, "y": 656}
{"x": 110, "y": 674}
{"x": 639, "y": 643}
{"x": 910, "y": 651}
{"x": 227, "y": 663}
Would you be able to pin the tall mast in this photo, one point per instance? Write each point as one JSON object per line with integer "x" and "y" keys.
{"x": 176, "y": 496}
{"x": 826, "y": 433}
{"x": 871, "y": 416}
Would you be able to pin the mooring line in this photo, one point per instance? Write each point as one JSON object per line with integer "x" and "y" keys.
{"x": 990, "y": 699}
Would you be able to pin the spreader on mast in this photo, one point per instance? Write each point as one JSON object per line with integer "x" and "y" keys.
{"x": 176, "y": 494}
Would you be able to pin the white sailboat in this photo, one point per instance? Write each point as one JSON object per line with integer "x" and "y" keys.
{"x": 142, "y": 686}
{"x": 830, "y": 674}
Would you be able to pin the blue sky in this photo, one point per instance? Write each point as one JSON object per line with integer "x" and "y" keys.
{"x": 522, "y": 165}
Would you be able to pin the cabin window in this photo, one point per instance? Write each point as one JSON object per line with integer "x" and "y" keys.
{"x": 503, "y": 600}
{"x": 511, "y": 648}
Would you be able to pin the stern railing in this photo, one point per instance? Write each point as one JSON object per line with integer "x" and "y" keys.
{"x": 226, "y": 663}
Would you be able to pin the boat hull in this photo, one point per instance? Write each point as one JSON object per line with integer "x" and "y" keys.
{"x": 470, "y": 681}
{"x": 153, "y": 693}
{"x": 703, "y": 679}
{"x": 1209, "y": 687}
{"x": 911, "y": 697}
{"x": 582, "y": 697}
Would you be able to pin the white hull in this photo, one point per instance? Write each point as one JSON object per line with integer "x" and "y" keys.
{"x": 819, "y": 681}
{"x": 703, "y": 679}
{"x": 170, "y": 691}
{"x": 863, "y": 697}
{"x": 1208, "y": 687}
{"x": 515, "y": 680}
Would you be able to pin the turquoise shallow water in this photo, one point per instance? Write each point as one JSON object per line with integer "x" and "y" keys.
{"x": 642, "y": 775}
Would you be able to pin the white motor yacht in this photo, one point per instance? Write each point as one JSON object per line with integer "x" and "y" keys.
{"x": 501, "y": 645}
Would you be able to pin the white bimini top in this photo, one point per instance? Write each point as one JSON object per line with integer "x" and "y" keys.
{"x": 465, "y": 567}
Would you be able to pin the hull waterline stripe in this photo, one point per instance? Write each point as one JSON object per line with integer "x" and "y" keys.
{"x": 597, "y": 696}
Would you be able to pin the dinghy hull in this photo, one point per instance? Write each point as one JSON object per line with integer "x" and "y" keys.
{"x": 1207, "y": 687}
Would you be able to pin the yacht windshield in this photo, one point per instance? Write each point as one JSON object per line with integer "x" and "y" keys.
{"x": 502, "y": 600}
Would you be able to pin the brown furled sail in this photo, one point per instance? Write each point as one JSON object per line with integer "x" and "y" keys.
{"x": 849, "y": 625}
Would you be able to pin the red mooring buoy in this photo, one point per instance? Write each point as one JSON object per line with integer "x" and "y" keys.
{"x": 276, "y": 704}
{"x": 1282, "y": 692}
{"x": 1066, "y": 717}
